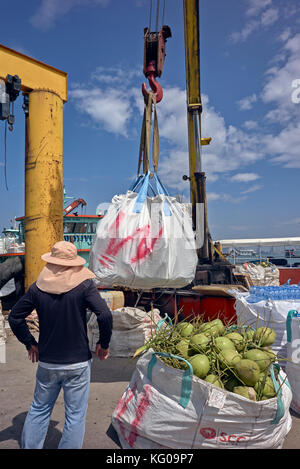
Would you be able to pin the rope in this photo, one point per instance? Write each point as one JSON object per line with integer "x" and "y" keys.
{"x": 144, "y": 151}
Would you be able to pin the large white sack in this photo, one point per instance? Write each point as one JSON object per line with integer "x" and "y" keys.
{"x": 145, "y": 242}
{"x": 260, "y": 275}
{"x": 271, "y": 313}
{"x": 2, "y": 337}
{"x": 132, "y": 327}
{"x": 164, "y": 407}
{"x": 293, "y": 354}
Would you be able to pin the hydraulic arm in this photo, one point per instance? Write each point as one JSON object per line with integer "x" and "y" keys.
{"x": 194, "y": 109}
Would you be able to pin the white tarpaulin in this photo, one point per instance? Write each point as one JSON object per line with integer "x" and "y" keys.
{"x": 164, "y": 407}
{"x": 293, "y": 353}
{"x": 271, "y": 313}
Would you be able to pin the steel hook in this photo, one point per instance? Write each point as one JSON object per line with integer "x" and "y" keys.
{"x": 154, "y": 85}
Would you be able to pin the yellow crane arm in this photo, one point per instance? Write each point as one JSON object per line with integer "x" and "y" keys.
{"x": 195, "y": 140}
{"x": 33, "y": 73}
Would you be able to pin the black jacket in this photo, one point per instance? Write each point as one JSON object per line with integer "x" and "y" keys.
{"x": 62, "y": 322}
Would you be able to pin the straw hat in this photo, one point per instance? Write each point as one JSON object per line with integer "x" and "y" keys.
{"x": 63, "y": 253}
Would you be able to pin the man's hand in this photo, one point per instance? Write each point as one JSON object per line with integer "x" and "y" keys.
{"x": 33, "y": 353}
{"x": 102, "y": 353}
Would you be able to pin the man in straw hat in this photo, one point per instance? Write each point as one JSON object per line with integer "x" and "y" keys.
{"x": 61, "y": 295}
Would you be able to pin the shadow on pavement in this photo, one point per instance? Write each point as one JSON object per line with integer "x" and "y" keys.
{"x": 14, "y": 432}
{"x": 113, "y": 369}
{"x": 294, "y": 414}
{"x": 112, "y": 434}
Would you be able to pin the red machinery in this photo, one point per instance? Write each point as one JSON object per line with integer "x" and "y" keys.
{"x": 74, "y": 205}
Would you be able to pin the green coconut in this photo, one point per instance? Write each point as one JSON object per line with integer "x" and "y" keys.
{"x": 245, "y": 391}
{"x": 270, "y": 353}
{"x": 183, "y": 348}
{"x": 262, "y": 358}
{"x": 200, "y": 364}
{"x": 229, "y": 358}
{"x": 250, "y": 333}
{"x": 199, "y": 342}
{"x": 247, "y": 371}
{"x": 265, "y": 387}
{"x": 231, "y": 383}
{"x": 214, "y": 379}
{"x": 222, "y": 343}
{"x": 265, "y": 336}
{"x": 237, "y": 340}
{"x": 185, "y": 329}
{"x": 219, "y": 324}
{"x": 211, "y": 330}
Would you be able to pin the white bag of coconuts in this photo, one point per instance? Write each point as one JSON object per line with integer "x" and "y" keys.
{"x": 204, "y": 385}
{"x": 293, "y": 357}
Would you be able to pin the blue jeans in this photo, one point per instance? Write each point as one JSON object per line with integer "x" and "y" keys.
{"x": 76, "y": 387}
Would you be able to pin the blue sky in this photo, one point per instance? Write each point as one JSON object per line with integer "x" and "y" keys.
{"x": 249, "y": 64}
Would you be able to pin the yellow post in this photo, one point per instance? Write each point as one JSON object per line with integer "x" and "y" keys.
{"x": 43, "y": 179}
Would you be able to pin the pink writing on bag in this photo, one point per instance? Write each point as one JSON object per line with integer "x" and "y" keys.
{"x": 144, "y": 247}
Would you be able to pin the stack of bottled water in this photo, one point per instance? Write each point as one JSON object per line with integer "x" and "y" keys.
{"x": 286, "y": 292}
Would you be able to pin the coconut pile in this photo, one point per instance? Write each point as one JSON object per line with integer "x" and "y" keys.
{"x": 234, "y": 358}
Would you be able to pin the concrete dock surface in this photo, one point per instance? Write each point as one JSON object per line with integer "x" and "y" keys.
{"x": 108, "y": 381}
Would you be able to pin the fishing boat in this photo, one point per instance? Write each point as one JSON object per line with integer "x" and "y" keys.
{"x": 79, "y": 229}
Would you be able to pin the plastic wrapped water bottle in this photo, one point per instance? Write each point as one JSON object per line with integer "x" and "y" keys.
{"x": 254, "y": 295}
{"x": 285, "y": 294}
{"x": 295, "y": 293}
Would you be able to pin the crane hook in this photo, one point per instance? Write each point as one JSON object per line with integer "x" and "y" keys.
{"x": 154, "y": 85}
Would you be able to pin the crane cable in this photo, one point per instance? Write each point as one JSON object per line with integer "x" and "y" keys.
{"x": 157, "y": 14}
{"x": 150, "y": 106}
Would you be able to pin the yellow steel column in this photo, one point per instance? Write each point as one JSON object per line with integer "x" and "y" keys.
{"x": 43, "y": 179}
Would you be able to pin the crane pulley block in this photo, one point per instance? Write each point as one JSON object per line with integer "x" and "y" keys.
{"x": 155, "y": 50}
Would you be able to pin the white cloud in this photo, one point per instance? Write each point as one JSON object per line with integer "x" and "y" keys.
{"x": 212, "y": 196}
{"x": 285, "y": 35}
{"x": 278, "y": 89}
{"x": 49, "y": 10}
{"x": 115, "y": 75}
{"x": 231, "y": 148}
{"x": 259, "y": 17}
{"x": 254, "y": 188}
{"x": 110, "y": 108}
{"x": 250, "y": 125}
{"x": 284, "y": 147}
{"x": 269, "y": 17}
{"x": 245, "y": 177}
{"x": 241, "y": 36}
{"x": 231, "y": 151}
{"x": 293, "y": 221}
{"x": 255, "y": 6}
{"x": 247, "y": 103}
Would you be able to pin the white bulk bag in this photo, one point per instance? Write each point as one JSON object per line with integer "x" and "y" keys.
{"x": 271, "y": 313}
{"x": 293, "y": 357}
{"x": 132, "y": 327}
{"x": 145, "y": 242}
{"x": 164, "y": 407}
